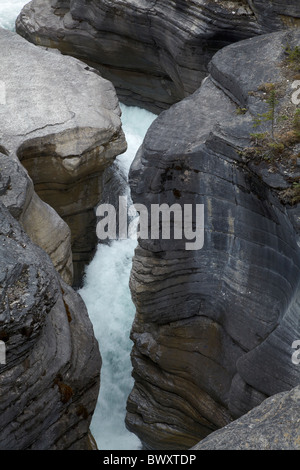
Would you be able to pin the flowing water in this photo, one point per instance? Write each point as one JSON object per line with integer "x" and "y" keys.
{"x": 108, "y": 300}
{"x": 9, "y": 10}
{"x": 106, "y": 294}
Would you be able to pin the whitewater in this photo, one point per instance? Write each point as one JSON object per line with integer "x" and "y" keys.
{"x": 106, "y": 293}
{"x": 107, "y": 297}
{"x": 9, "y": 10}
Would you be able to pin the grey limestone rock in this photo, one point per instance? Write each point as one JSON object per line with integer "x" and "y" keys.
{"x": 214, "y": 327}
{"x": 273, "y": 425}
{"x": 50, "y": 382}
{"x": 40, "y": 221}
{"x": 62, "y": 121}
{"x": 155, "y": 52}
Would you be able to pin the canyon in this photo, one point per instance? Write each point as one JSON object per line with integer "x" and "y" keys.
{"x": 154, "y": 52}
{"x": 213, "y": 330}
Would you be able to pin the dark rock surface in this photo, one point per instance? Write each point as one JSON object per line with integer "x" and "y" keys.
{"x": 40, "y": 221}
{"x": 155, "y": 52}
{"x": 274, "y": 425}
{"x": 50, "y": 382}
{"x": 214, "y": 327}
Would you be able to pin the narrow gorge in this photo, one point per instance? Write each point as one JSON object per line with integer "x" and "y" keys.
{"x": 145, "y": 344}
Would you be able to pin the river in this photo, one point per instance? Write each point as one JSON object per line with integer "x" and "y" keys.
{"x": 107, "y": 296}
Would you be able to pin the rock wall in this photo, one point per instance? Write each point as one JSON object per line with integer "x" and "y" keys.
{"x": 50, "y": 382}
{"x": 60, "y": 130}
{"x": 155, "y": 52}
{"x": 40, "y": 221}
{"x": 274, "y": 425}
{"x": 62, "y": 121}
{"x": 214, "y": 327}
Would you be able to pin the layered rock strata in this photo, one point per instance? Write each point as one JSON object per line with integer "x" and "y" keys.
{"x": 50, "y": 381}
{"x": 40, "y": 221}
{"x": 214, "y": 327}
{"x": 51, "y": 375}
{"x": 155, "y": 52}
{"x": 62, "y": 120}
{"x": 274, "y": 425}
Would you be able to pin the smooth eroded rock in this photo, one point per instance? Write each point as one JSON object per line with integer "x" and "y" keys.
{"x": 50, "y": 382}
{"x": 62, "y": 120}
{"x": 155, "y": 53}
{"x": 214, "y": 327}
{"x": 273, "y": 425}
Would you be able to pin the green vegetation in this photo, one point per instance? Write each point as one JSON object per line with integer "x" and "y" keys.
{"x": 275, "y": 140}
{"x": 291, "y": 195}
{"x": 293, "y": 57}
{"x": 276, "y": 135}
{"x": 267, "y": 145}
{"x": 269, "y": 115}
{"x": 296, "y": 123}
{"x": 240, "y": 111}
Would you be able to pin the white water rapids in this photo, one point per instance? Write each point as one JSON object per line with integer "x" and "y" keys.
{"x": 106, "y": 294}
{"x": 108, "y": 300}
{"x": 9, "y": 10}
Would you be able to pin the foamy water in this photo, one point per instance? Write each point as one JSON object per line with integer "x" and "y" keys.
{"x": 107, "y": 297}
{"x": 9, "y": 10}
